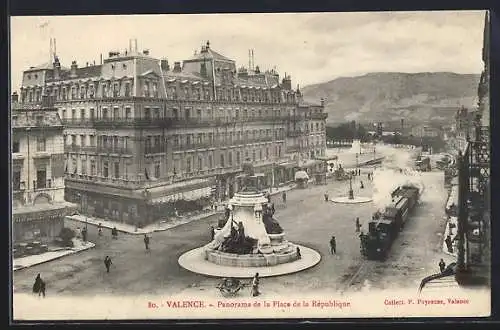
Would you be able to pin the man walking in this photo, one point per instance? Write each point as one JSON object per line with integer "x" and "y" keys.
{"x": 284, "y": 197}
{"x": 212, "y": 233}
{"x": 448, "y": 243}
{"x": 146, "y": 241}
{"x": 442, "y": 265}
{"x": 333, "y": 245}
{"x": 39, "y": 286}
{"x": 358, "y": 225}
{"x": 326, "y": 196}
{"x": 107, "y": 263}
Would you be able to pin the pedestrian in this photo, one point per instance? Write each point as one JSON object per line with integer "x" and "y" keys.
{"x": 268, "y": 196}
{"x": 255, "y": 285}
{"x": 284, "y": 197}
{"x": 84, "y": 234}
{"x": 114, "y": 232}
{"x": 333, "y": 245}
{"x": 442, "y": 265}
{"x": 99, "y": 229}
{"x": 107, "y": 263}
{"x": 448, "y": 243}
{"x": 39, "y": 286}
{"x": 326, "y": 196}
{"x": 368, "y": 176}
{"x": 212, "y": 233}
{"x": 362, "y": 186}
{"x": 298, "y": 253}
{"x": 358, "y": 225}
{"x": 146, "y": 241}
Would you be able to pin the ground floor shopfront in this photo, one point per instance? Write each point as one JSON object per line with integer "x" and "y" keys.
{"x": 141, "y": 206}
{"x": 42, "y": 223}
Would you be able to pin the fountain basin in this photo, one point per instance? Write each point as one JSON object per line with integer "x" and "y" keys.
{"x": 250, "y": 260}
{"x": 195, "y": 261}
{"x": 276, "y": 239}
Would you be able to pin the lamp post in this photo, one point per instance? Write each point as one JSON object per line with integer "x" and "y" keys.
{"x": 357, "y": 164}
{"x": 351, "y": 192}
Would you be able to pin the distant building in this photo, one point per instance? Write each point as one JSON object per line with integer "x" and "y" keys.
{"x": 423, "y": 131}
{"x": 37, "y": 172}
{"x": 141, "y": 135}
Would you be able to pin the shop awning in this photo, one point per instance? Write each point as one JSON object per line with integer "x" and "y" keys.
{"x": 185, "y": 190}
{"x": 310, "y": 163}
{"x": 41, "y": 212}
{"x": 288, "y": 165}
{"x": 327, "y": 158}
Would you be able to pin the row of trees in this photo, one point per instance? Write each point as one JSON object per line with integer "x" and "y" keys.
{"x": 352, "y": 130}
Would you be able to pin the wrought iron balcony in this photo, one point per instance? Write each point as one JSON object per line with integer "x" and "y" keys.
{"x": 320, "y": 116}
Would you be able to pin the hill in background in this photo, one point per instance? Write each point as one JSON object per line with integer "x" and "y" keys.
{"x": 429, "y": 97}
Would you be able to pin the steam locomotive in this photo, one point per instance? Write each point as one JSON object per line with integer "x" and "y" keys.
{"x": 384, "y": 227}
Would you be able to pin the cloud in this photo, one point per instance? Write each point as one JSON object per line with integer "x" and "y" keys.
{"x": 311, "y": 47}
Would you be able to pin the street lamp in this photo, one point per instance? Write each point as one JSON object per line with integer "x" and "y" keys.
{"x": 351, "y": 192}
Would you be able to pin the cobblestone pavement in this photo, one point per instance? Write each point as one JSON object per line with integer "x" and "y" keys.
{"x": 307, "y": 219}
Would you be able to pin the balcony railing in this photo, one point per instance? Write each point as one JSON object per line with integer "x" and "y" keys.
{"x": 172, "y": 121}
{"x": 321, "y": 115}
{"x": 98, "y": 149}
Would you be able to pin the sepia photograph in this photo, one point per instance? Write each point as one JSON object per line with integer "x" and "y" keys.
{"x": 250, "y": 166}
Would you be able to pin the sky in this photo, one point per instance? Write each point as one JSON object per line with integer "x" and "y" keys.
{"x": 312, "y": 48}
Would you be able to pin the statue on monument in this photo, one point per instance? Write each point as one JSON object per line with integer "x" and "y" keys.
{"x": 249, "y": 180}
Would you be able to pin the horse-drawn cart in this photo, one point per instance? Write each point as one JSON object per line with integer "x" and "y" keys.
{"x": 229, "y": 287}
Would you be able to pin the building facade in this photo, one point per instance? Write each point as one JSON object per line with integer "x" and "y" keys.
{"x": 141, "y": 135}
{"x": 37, "y": 173}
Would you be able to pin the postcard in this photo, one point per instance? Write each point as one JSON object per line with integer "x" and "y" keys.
{"x": 249, "y": 166}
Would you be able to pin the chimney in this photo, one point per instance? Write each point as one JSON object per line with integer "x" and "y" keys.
{"x": 101, "y": 59}
{"x": 94, "y": 62}
{"x": 57, "y": 68}
{"x": 177, "y": 67}
{"x": 74, "y": 66}
{"x": 145, "y": 52}
{"x": 15, "y": 97}
{"x": 164, "y": 64}
{"x": 287, "y": 82}
{"x": 203, "y": 70}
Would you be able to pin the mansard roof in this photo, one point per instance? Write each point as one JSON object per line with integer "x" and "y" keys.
{"x": 208, "y": 53}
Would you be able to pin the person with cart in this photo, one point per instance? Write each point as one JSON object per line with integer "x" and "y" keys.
{"x": 255, "y": 285}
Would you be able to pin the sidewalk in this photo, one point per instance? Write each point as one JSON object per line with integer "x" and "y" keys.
{"x": 29, "y": 261}
{"x": 162, "y": 225}
{"x": 453, "y": 233}
{"x": 131, "y": 229}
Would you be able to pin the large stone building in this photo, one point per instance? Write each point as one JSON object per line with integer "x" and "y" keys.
{"x": 141, "y": 134}
{"x": 37, "y": 173}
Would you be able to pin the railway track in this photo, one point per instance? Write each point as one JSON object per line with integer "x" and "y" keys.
{"x": 356, "y": 280}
